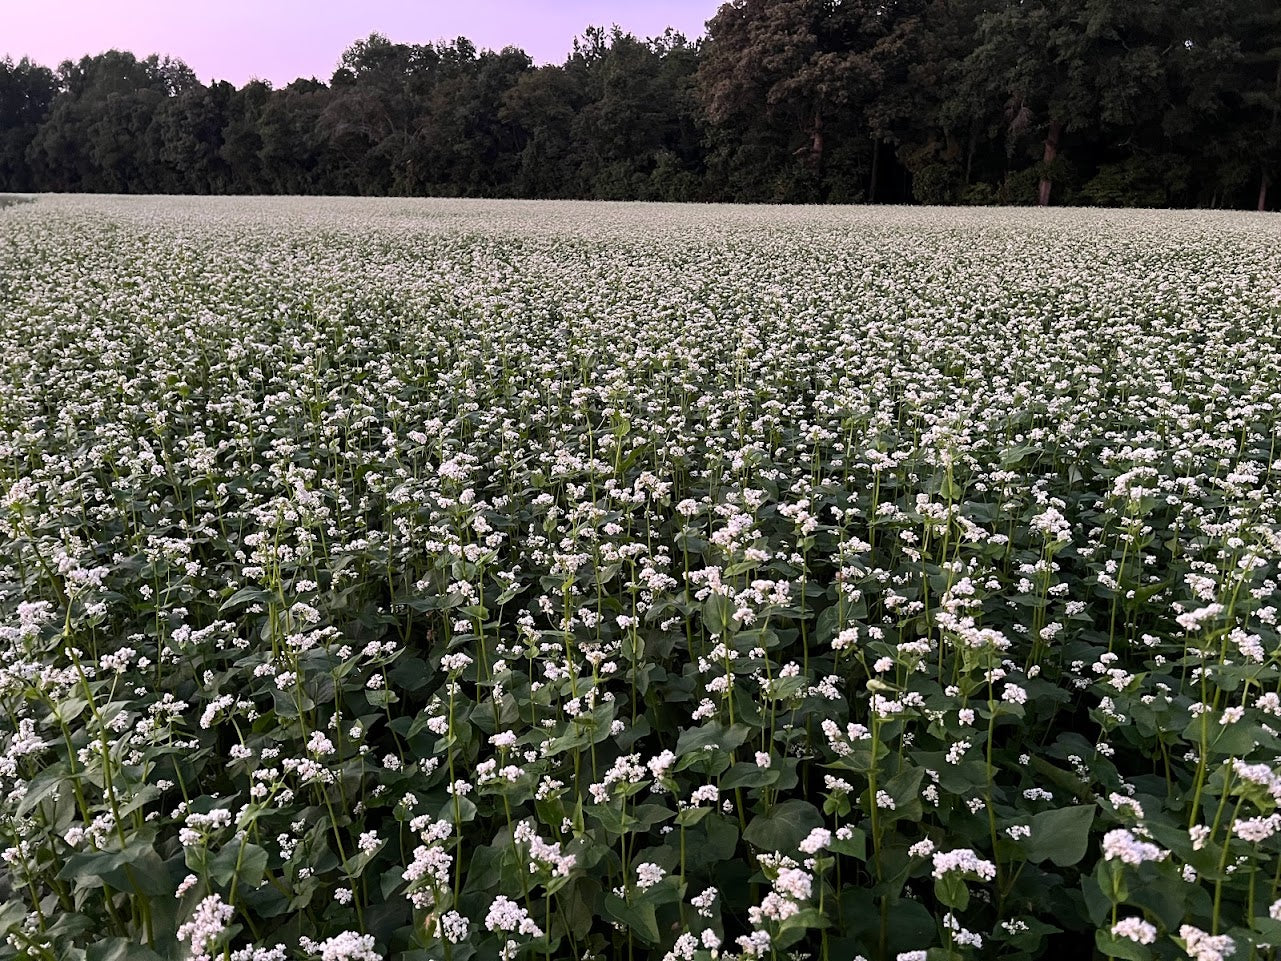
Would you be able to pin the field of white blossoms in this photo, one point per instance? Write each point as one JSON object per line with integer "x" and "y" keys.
{"x": 432, "y": 580}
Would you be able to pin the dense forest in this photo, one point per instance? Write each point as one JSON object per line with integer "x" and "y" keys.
{"x": 1109, "y": 102}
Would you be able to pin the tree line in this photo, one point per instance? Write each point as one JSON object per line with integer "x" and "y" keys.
{"x": 1107, "y": 102}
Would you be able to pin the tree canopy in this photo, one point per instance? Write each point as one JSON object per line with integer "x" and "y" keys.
{"x": 1111, "y": 102}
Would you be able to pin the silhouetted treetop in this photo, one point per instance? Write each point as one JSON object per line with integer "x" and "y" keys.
{"x": 1116, "y": 102}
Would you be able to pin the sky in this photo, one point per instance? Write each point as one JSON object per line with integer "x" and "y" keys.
{"x": 281, "y": 40}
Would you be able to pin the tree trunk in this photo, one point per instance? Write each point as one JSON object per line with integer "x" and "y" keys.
{"x": 1051, "y": 151}
{"x": 816, "y": 144}
{"x": 1272, "y": 135}
{"x": 876, "y": 163}
{"x": 969, "y": 155}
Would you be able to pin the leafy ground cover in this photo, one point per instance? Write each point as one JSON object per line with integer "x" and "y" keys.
{"x": 448, "y": 580}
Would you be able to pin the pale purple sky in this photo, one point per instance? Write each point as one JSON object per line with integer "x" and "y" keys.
{"x": 280, "y": 40}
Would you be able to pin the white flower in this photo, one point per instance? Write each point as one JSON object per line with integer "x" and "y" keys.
{"x": 189, "y": 882}
{"x": 1257, "y": 829}
{"x": 921, "y": 849}
{"x": 1193, "y": 620}
{"x": 319, "y": 744}
{"x": 1123, "y": 845}
{"x": 1136, "y": 929}
{"x": 660, "y": 764}
{"x": 647, "y": 875}
{"x": 703, "y": 902}
{"x": 206, "y": 925}
{"x": 963, "y": 861}
{"x": 815, "y": 841}
{"x": 1206, "y": 947}
{"x": 452, "y": 926}
{"x": 455, "y": 663}
{"x": 347, "y": 946}
{"x": 794, "y": 883}
{"x": 1014, "y": 694}
{"x": 506, "y": 915}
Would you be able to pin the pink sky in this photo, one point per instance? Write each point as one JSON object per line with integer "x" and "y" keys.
{"x": 280, "y": 40}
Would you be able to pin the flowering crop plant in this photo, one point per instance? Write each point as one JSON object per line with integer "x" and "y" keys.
{"x": 437, "y": 580}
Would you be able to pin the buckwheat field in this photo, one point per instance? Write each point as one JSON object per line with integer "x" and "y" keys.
{"x": 427, "y": 581}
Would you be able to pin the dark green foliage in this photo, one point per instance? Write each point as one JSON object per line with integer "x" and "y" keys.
{"x": 1108, "y": 102}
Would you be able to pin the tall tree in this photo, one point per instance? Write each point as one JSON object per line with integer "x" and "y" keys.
{"x": 241, "y": 137}
{"x": 636, "y": 114}
{"x": 1259, "y": 89}
{"x": 541, "y": 106}
{"x": 27, "y": 93}
{"x": 293, "y": 151}
{"x": 1116, "y": 102}
{"x": 756, "y": 78}
{"x": 95, "y": 135}
{"x": 1029, "y": 57}
{"x": 816, "y": 67}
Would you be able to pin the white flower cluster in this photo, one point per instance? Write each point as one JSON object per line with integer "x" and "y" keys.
{"x": 206, "y": 926}
{"x": 1202, "y": 946}
{"x": 347, "y": 946}
{"x": 1121, "y": 844}
{"x": 965, "y": 862}
{"x": 558, "y": 528}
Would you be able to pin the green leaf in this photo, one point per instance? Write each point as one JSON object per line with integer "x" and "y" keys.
{"x": 952, "y": 890}
{"x": 1059, "y": 778}
{"x": 795, "y": 925}
{"x": 905, "y": 789}
{"x": 48, "y": 781}
{"x": 718, "y": 615}
{"x": 711, "y": 735}
{"x": 1268, "y": 927}
{"x": 137, "y": 868}
{"x": 222, "y": 866}
{"x": 253, "y": 864}
{"x": 748, "y": 775}
{"x": 648, "y": 815}
{"x": 11, "y": 913}
{"x": 119, "y": 949}
{"x": 783, "y": 827}
{"x": 246, "y": 595}
{"x": 828, "y": 624}
{"x": 1119, "y": 947}
{"x": 381, "y": 699}
{"x": 720, "y": 841}
{"x": 910, "y": 926}
{"x": 691, "y": 816}
{"x": 1061, "y": 836}
{"x": 639, "y": 918}
{"x": 854, "y": 846}
{"x": 783, "y": 688}
{"x": 1109, "y": 879}
{"x": 1168, "y": 900}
